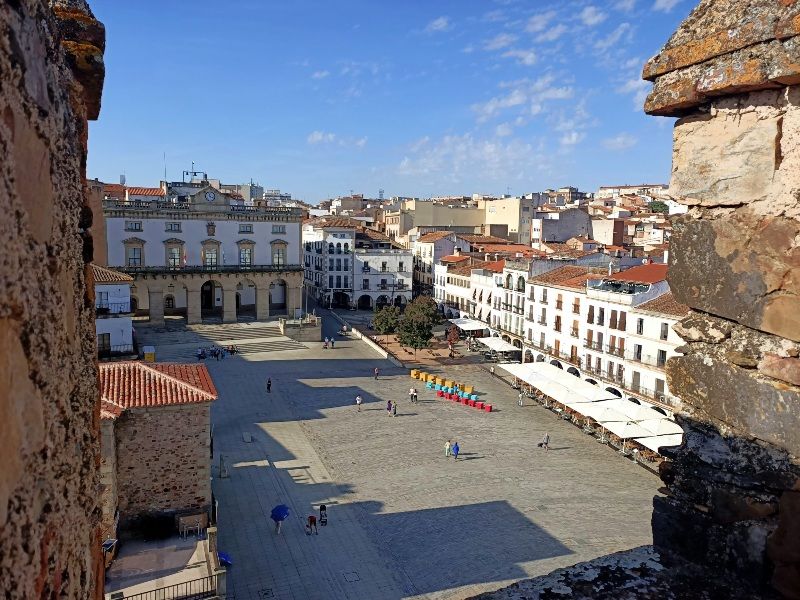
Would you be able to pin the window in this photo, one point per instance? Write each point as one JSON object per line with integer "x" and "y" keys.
{"x": 544, "y": 295}
{"x": 133, "y": 225}
{"x": 278, "y": 253}
{"x": 365, "y": 284}
{"x": 557, "y": 326}
{"x": 330, "y": 264}
{"x": 661, "y": 358}
{"x": 331, "y": 248}
{"x": 330, "y": 281}
{"x": 612, "y": 320}
{"x": 134, "y": 256}
{"x": 621, "y": 324}
{"x": 383, "y": 284}
{"x": 338, "y": 281}
{"x": 210, "y": 256}
{"x": 637, "y": 352}
{"x": 169, "y": 302}
{"x": 365, "y": 267}
{"x": 559, "y": 302}
{"x": 338, "y": 264}
{"x": 346, "y": 248}
{"x": 659, "y": 387}
{"x": 400, "y": 267}
{"x": 590, "y": 316}
{"x": 246, "y": 256}
{"x": 601, "y": 316}
{"x": 104, "y": 342}
{"x": 245, "y": 228}
{"x": 639, "y": 326}
{"x": 173, "y": 227}
{"x": 346, "y": 264}
{"x": 101, "y": 299}
{"x": 338, "y": 247}
{"x": 346, "y": 281}
{"x": 173, "y": 257}
{"x": 664, "y": 330}
{"x": 279, "y": 229}
{"x": 636, "y": 381}
{"x": 384, "y": 267}
{"x": 576, "y": 306}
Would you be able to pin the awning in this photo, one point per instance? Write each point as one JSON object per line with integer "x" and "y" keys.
{"x": 656, "y": 442}
{"x": 661, "y": 427}
{"x": 625, "y": 430}
{"x": 497, "y": 344}
{"x": 561, "y": 386}
{"x": 469, "y": 324}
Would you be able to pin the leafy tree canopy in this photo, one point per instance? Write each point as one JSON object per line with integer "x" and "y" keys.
{"x": 386, "y": 320}
{"x": 658, "y": 206}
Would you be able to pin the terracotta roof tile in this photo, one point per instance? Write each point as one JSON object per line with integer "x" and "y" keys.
{"x": 652, "y": 273}
{"x": 126, "y": 385}
{"x": 453, "y": 258}
{"x": 104, "y": 275}
{"x": 665, "y": 304}
{"x": 562, "y": 274}
{"x": 114, "y": 190}
{"x": 481, "y": 239}
{"x": 434, "y": 236}
{"x": 145, "y": 191}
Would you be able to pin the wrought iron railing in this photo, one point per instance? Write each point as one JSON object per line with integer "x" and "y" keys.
{"x": 112, "y": 308}
{"x": 112, "y": 351}
{"x": 197, "y": 589}
{"x": 210, "y": 269}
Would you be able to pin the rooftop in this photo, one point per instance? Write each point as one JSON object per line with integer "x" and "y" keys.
{"x": 665, "y": 305}
{"x": 454, "y": 258}
{"x": 481, "y": 239}
{"x": 145, "y": 191}
{"x": 568, "y": 276}
{"x": 126, "y": 385}
{"x": 652, "y": 273}
{"x": 434, "y": 236}
{"x": 104, "y": 275}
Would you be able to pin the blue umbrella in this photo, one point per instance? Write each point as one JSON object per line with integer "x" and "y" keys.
{"x": 279, "y": 513}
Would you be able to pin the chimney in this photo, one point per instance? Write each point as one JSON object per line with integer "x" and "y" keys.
{"x": 457, "y": 251}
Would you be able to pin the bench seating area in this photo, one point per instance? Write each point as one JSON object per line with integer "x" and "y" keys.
{"x": 451, "y": 390}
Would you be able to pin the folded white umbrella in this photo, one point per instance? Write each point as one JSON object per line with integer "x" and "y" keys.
{"x": 660, "y": 426}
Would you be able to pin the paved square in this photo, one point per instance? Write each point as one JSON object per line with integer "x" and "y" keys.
{"x": 404, "y": 521}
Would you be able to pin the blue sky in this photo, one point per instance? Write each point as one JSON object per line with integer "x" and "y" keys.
{"x": 417, "y": 97}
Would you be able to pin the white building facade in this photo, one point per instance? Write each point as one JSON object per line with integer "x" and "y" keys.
{"x": 113, "y": 316}
{"x": 201, "y": 253}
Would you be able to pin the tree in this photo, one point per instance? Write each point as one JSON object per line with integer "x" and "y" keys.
{"x": 452, "y": 339}
{"x": 658, "y": 206}
{"x": 386, "y": 320}
{"x": 417, "y": 323}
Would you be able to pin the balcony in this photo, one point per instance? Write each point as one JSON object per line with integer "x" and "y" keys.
{"x": 559, "y": 304}
{"x": 576, "y": 309}
{"x": 506, "y": 305}
{"x": 111, "y": 309}
{"x": 519, "y": 310}
{"x": 191, "y": 269}
{"x": 616, "y": 351}
{"x": 543, "y": 300}
{"x": 646, "y": 359}
{"x": 574, "y": 332}
{"x": 365, "y": 269}
{"x": 541, "y": 321}
{"x": 592, "y": 345}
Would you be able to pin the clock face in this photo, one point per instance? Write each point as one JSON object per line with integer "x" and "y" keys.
{"x": 210, "y": 196}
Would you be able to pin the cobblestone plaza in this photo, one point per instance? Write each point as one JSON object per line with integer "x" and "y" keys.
{"x": 404, "y": 521}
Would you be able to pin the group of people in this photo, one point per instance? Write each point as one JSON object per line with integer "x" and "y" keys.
{"x": 311, "y": 522}
{"x": 216, "y": 352}
{"x": 451, "y": 449}
{"x": 327, "y": 341}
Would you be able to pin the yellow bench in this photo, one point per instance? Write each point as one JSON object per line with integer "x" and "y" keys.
{"x": 468, "y": 389}
{"x": 414, "y": 373}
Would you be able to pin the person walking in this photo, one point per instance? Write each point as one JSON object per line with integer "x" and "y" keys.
{"x": 359, "y": 400}
{"x": 377, "y": 372}
{"x": 455, "y": 450}
{"x": 394, "y": 409}
{"x": 389, "y": 407}
{"x": 521, "y": 396}
{"x": 491, "y": 370}
{"x": 332, "y": 343}
{"x": 269, "y": 385}
{"x": 414, "y": 393}
{"x": 325, "y": 345}
{"x": 312, "y": 524}
{"x": 447, "y": 448}
{"x": 545, "y": 443}
{"x": 411, "y": 394}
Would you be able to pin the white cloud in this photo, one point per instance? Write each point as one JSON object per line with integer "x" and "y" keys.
{"x": 525, "y": 57}
{"x": 591, "y": 16}
{"x": 540, "y": 22}
{"x": 552, "y": 34}
{"x": 417, "y": 146}
{"x": 320, "y": 137}
{"x": 665, "y": 5}
{"x": 503, "y": 130}
{"x": 494, "y": 16}
{"x": 639, "y": 88}
{"x": 621, "y": 141}
{"x": 438, "y": 24}
{"x": 455, "y": 158}
{"x": 625, "y": 5}
{"x": 571, "y": 138}
{"x": 523, "y": 92}
{"x": 320, "y": 74}
{"x": 501, "y": 40}
{"x": 613, "y": 38}
{"x": 360, "y": 142}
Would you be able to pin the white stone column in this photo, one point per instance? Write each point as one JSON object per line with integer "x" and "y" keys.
{"x": 262, "y": 303}
{"x": 155, "y": 298}
{"x": 193, "y": 307}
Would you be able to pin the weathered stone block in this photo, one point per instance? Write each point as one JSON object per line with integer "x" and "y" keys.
{"x": 744, "y": 402}
{"x": 743, "y": 267}
{"x": 785, "y": 369}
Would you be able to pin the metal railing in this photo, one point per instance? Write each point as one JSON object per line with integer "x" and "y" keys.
{"x": 112, "y": 308}
{"x": 576, "y": 308}
{"x": 210, "y": 269}
{"x": 111, "y": 351}
{"x": 574, "y": 332}
{"x": 541, "y": 321}
{"x": 197, "y": 589}
{"x": 559, "y": 304}
{"x": 592, "y": 345}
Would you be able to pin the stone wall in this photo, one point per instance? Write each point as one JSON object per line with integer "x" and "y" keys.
{"x": 163, "y": 461}
{"x": 108, "y": 479}
{"x": 730, "y": 73}
{"x": 51, "y": 74}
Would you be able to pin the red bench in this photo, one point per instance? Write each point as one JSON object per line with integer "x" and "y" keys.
{"x": 487, "y": 407}
{"x": 471, "y": 403}
{"x": 479, "y": 405}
